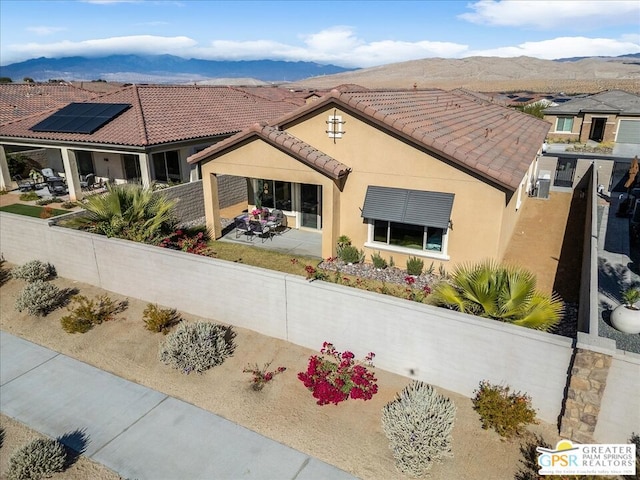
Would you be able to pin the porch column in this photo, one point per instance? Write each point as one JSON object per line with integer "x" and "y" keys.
{"x": 212, "y": 205}
{"x": 145, "y": 169}
{"x": 6, "y": 183}
{"x": 72, "y": 176}
{"x": 330, "y": 218}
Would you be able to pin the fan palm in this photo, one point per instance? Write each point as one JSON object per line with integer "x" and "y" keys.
{"x": 130, "y": 212}
{"x": 505, "y": 293}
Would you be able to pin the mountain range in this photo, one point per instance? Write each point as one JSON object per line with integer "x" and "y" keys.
{"x": 161, "y": 69}
{"x": 484, "y": 74}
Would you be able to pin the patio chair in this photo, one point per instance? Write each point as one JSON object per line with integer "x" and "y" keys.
{"x": 47, "y": 173}
{"x": 260, "y": 229}
{"x": 242, "y": 228}
{"x": 87, "y": 181}
{"x": 56, "y": 186}
{"x": 280, "y": 221}
{"x": 23, "y": 184}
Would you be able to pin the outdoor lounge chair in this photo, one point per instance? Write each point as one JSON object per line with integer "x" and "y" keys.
{"x": 260, "y": 229}
{"x": 56, "y": 186}
{"x": 23, "y": 184}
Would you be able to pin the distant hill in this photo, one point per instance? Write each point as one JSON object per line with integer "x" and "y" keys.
{"x": 495, "y": 74}
{"x": 161, "y": 69}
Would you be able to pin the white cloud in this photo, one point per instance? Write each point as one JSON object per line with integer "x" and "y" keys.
{"x": 43, "y": 30}
{"x": 338, "y": 46}
{"x": 552, "y": 14}
{"x": 564, "y": 47}
{"x": 144, "y": 44}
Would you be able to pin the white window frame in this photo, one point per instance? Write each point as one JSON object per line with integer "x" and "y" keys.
{"x": 442, "y": 255}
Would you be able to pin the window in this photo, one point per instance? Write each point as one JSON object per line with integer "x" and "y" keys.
{"x": 416, "y": 237}
{"x": 166, "y": 166}
{"x": 84, "y": 160}
{"x": 274, "y": 194}
{"x": 132, "y": 168}
{"x": 564, "y": 124}
{"x": 408, "y": 221}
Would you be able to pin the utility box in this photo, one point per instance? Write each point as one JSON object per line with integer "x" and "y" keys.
{"x": 543, "y": 184}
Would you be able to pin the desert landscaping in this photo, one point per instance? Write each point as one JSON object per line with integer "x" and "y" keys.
{"x": 348, "y": 435}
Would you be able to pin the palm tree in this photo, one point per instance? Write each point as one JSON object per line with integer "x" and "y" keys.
{"x": 505, "y": 293}
{"x": 130, "y": 212}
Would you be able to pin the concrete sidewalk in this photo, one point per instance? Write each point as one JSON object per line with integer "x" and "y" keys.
{"x": 136, "y": 431}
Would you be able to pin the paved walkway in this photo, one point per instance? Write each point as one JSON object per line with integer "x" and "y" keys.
{"x": 136, "y": 431}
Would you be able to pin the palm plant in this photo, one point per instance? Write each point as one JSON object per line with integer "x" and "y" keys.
{"x": 505, "y": 293}
{"x": 130, "y": 212}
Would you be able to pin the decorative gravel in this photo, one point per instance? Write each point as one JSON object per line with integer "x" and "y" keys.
{"x": 387, "y": 275}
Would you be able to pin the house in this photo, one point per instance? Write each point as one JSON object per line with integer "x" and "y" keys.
{"x": 428, "y": 173}
{"x": 138, "y": 133}
{"x": 610, "y": 116}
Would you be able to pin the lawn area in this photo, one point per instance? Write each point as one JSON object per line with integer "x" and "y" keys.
{"x": 31, "y": 210}
{"x": 258, "y": 257}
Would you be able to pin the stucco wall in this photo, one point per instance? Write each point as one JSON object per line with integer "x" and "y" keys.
{"x": 453, "y": 351}
{"x": 480, "y": 211}
{"x": 620, "y": 409}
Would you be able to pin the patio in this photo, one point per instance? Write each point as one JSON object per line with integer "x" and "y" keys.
{"x": 291, "y": 241}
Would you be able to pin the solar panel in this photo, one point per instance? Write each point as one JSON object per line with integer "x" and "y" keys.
{"x": 81, "y": 117}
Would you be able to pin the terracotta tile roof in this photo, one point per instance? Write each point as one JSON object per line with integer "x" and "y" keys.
{"x": 18, "y": 100}
{"x": 283, "y": 141}
{"x": 497, "y": 142}
{"x": 162, "y": 114}
{"x": 277, "y": 94}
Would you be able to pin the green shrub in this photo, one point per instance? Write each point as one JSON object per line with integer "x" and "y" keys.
{"x": 378, "y": 261}
{"x": 29, "y": 196}
{"x": 504, "y": 411}
{"x": 68, "y": 205}
{"x": 37, "y": 459}
{"x": 86, "y": 313}
{"x": 418, "y": 424}
{"x": 196, "y": 347}
{"x": 159, "y": 319}
{"x": 38, "y": 298}
{"x": 44, "y": 201}
{"x": 33, "y": 270}
{"x": 350, "y": 254}
{"x": 415, "y": 266}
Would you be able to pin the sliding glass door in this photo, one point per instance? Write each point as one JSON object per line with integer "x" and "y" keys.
{"x": 311, "y": 206}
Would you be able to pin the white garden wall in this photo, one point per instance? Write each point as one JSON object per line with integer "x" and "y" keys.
{"x": 450, "y": 350}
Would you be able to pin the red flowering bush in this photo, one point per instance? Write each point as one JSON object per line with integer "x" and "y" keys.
{"x": 261, "y": 376}
{"x": 190, "y": 242}
{"x": 338, "y": 377}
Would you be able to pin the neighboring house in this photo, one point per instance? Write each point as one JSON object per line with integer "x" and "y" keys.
{"x": 140, "y": 134}
{"x": 18, "y": 100}
{"x": 611, "y": 116}
{"x": 428, "y": 173}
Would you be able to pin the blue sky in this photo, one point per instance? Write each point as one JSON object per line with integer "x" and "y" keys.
{"x": 345, "y": 33}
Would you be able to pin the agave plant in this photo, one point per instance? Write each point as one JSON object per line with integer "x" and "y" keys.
{"x": 505, "y": 293}
{"x": 130, "y": 212}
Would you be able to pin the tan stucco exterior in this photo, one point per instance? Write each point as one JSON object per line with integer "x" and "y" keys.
{"x": 483, "y": 215}
{"x": 582, "y": 126}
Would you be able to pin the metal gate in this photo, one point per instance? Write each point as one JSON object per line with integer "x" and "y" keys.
{"x": 565, "y": 169}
